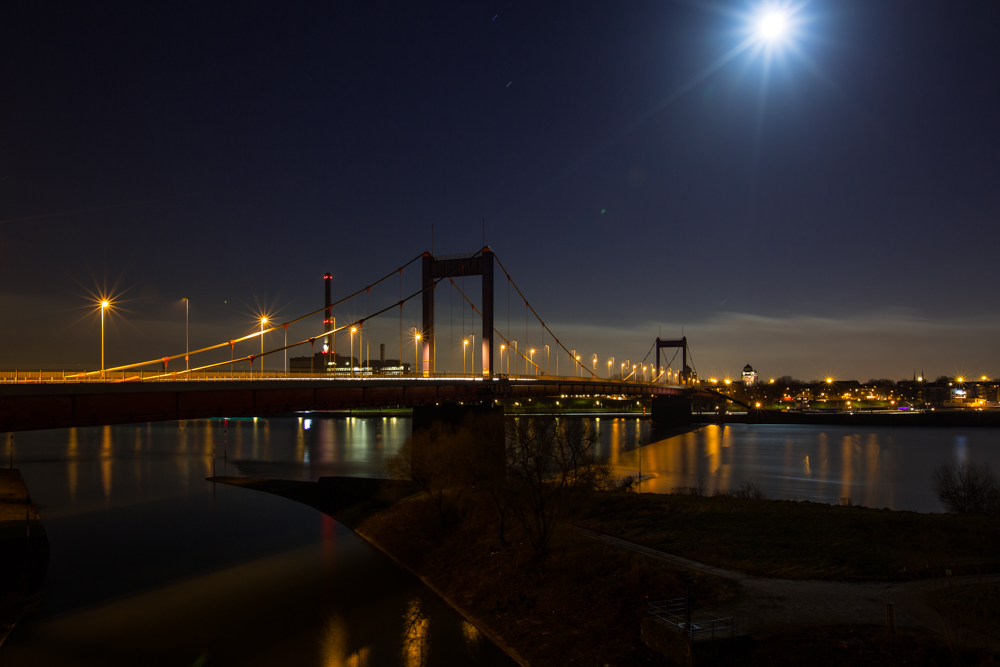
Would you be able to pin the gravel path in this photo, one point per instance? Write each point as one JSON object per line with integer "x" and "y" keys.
{"x": 775, "y": 605}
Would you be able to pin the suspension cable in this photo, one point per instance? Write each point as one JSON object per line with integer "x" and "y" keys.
{"x": 256, "y": 333}
{"x": 554, "y": 337}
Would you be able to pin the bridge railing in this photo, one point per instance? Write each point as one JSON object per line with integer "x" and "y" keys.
{"x": 224, "y": 375}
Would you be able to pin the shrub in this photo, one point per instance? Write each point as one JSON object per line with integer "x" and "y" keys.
{"x": 749, "y": 491}
{"x": 967, "y": 488}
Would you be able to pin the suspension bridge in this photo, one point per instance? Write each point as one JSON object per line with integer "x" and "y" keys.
{"x": 160, "y": 389}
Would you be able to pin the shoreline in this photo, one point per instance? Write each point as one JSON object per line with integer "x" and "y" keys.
{"x": 467, "y": 581}
{"x": 24, "y": 551}
{"x": 359, "y": 491}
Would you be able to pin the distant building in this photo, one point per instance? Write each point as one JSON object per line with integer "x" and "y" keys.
{"x": 749, "y": 376}
{"x": 339, "y": 365}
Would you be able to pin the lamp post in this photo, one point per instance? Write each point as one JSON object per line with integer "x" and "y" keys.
{"x": 105, "y": 304}
{"x": 531, "y": 357}
{"x": 547, "y": 371}
{"x": 416, "y": 348}
{"x": 611, "y": 362}
{"x": 263, "y": 321}
{"x": 472, "y": 351}
{"x": 351, "y": 361}
{"x": 595, "y": 362}
{"x": 465, "y": 346}
{"x": 187, "y": 334}
{"x": 579, "y": 367}
{"x": 502, "y": 348}
{"x": 514, "y": 345}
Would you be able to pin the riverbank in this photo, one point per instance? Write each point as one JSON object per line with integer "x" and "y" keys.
{"x": 582, "y": 603}
{"x": 24, "y": 551}
{"x": 932, "y": 418}
{"x": 800, "y": 539}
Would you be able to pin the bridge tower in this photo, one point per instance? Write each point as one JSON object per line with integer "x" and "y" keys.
{"x": 438, "y": 268}
{"x": 677, "y": 342}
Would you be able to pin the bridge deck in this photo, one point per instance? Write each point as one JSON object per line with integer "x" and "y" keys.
{"x": 35, "y": 405}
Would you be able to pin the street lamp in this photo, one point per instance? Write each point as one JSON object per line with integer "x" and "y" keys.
{"x": 472, "y": 352}
{"x": 610, "y": 361}
{"x": 579, "y": 367}
{"x": 105, "y": 304}
{"x": 416, "y": 348}
{"x": 351, "y": 362}
{"x": 263, "y": 321}
{"x": 187, "y": 333}
{"x": 547, "y": 370}
{"x": 465, "y": 346}
{"x": 502, "y": 348}
{"x": 531, "y": 357}
{"x": 623, "y": 371}
{"x": 595, "y": 362}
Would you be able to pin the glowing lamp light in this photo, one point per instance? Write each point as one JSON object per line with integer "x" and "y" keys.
{"x": 829, "y": 380}
{"x": 105, "y": 303}
{"x": 960, "y": 379}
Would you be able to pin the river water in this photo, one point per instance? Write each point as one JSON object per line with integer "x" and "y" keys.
{"x": 151, "y": 564}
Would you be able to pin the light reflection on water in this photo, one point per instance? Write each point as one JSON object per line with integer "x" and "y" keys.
{"x": 146, "y": 552}
{"x": 151, "y": 564}
{"x": 873, "y": 466}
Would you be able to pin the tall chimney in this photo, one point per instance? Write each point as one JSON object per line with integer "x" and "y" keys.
{"x": 328, "y": 317}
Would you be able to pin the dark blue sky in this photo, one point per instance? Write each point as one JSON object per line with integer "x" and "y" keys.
{"x": 837, "y": 216}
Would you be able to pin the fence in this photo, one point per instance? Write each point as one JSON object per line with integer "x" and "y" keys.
{"x": 677, "y": 613}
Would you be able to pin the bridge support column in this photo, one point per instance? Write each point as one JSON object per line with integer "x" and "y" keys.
{"x": 481, "y": 424}
{"x": 671, "y": 410}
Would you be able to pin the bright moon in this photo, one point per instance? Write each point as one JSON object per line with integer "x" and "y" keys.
{"x": 772, "y": 25}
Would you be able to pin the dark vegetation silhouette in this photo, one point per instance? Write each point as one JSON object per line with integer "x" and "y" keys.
{"x": 964, "y": 487}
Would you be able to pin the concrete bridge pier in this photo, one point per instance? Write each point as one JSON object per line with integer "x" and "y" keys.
{"x": 459, "y": 441}
{"x": 671, "y": 410}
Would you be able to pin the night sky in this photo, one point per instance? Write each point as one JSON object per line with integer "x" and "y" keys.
{"x": 827, "y": 204}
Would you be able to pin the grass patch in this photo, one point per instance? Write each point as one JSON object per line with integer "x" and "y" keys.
{"x": 799, "y": 540}
{"x": 579, "y": 605}
{"x": 975, "y": 606}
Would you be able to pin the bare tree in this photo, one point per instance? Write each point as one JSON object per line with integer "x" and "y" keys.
{"x": 967, "y": 488}
{"x": 549, "y": 462}
{"x": 437, "y": 460}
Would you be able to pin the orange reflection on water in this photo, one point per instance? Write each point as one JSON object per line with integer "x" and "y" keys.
{"x": 416, "y": 637}
{"x": 72, "y": 447}
{"x": 106, "y": 461}
{"x": 335, "y": 647}
{"x": 846, "y": 466}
